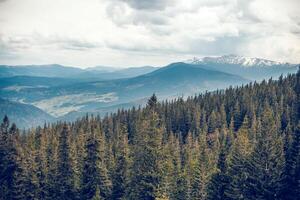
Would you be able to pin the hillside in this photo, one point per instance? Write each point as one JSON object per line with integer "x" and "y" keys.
{"x": 23, "y": 115}
{"x": 60, "y": 71}
{"x": 239, "y": 142}
{"x": 58, "y": 97}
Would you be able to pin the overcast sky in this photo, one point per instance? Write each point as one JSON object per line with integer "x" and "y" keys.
{"x": 146, "y": 32}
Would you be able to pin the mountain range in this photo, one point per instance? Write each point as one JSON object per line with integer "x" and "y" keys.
{"x": 255, "y": 69}
{"x": 60, "y": 71}
{"x": 67, "y": 92}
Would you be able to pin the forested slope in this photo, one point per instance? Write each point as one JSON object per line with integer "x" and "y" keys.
{"x": 241, "y": 143}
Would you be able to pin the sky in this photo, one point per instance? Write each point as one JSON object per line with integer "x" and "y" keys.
{"x": 128, "y": 33}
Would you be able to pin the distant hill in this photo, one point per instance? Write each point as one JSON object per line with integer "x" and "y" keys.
{"x": 59, "y": 71}
{"x": 52, "y": 70}
{"x": 176, "y": 79}
{"x": 181, "y": 78}
{"x": 69, "y": 97}
{"x": 23, "y": 115}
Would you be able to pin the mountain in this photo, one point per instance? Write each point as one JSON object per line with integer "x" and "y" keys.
{"x": 106, "y": 73}
{"x": 23, "y": 115}
{"x": 93, "y": 93}
{"x": 104, "y": 69}
{"x": 136, "y": 71}
{"x": 238, "y": 60}
{"x": 176, "y": 79}
{"x": 59, "y": 71}
{"x": 53, "y": 70}
{"x": 251, "y": 68}
{"x": 182, "y": 78}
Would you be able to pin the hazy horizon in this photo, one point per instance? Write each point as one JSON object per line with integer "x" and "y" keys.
{"x": 134, "y": 66}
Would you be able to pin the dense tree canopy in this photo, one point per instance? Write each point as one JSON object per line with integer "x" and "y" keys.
{"x": 240, "y": 143}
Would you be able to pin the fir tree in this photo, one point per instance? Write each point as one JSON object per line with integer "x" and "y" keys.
{"x": 220, "y": 180}
{"x": 145, "y": 170}
{"x": 94, "y": 173}
{"x": 238, "y": 161}
{"x": 266, "y": 163}
{"x": 9, "y": 162}
{"x": 120, "y": 175}
{"x": 65, "y": 173}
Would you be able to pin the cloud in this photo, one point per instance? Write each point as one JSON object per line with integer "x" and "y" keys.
{"x": 148, "y": 4}
{"x": 148, "y": 32}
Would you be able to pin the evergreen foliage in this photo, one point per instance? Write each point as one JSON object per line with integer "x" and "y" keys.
{"x": 240, "y": 143}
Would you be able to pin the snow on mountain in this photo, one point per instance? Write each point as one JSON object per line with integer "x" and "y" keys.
{"x": 236, "y": 60}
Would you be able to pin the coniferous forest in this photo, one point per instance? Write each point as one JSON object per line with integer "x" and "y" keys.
{"x": 238, "y": 143}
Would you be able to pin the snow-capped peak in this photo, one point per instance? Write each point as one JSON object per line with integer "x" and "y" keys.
{"x": 235, "y": 60}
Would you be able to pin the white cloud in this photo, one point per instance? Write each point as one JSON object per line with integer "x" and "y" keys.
{"x": 146, "y": 32}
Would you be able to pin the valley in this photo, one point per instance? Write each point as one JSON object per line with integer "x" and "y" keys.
{"x": 74, "y": 92}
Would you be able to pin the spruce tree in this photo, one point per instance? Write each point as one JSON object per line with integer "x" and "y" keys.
{"x": 219, "y": 181}
{"x": 200, "y": 173}
{"x": 94, "y": 173}
{"x": 120, "y": 174}
{"x": 146, "y": 169}
{"x": 238, "y": 161}
{"x": 9, "y": 162}
{"x": 266, "y": 163}
{"x": 291, "y": 181}
{"x": 65, "y": 174}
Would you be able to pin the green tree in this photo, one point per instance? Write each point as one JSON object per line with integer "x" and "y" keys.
{"x": 9, "y": 162}
{"x": 145, "y": 175}
{"x": 238, "y": 161}
{"x": 120, "y": 174}
{"x": 94, "y": 173}
{"x": 266, "y": 163}
{"x": 65, "y": 173}
{"x": 219, "y": 181}
{"x": 200, "y": 173}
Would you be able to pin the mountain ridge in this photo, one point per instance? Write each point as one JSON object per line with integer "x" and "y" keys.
{"x": 24, "y": 115}
{"x": 237, "y": 60}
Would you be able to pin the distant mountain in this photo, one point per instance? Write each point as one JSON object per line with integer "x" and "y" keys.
{"x": 176, "y": 79}
{"x": 67, "y": 98}
{"x": 251, "y": 68}
{"x": 182, "y": 78}
{"x": 105, "y": 73}
{"x": 52, "y": 70}
{"x": 136, "y": 71}
{"x": 23, "y": 115}
{"x": 104, "y": 69}
{"x": 237, "y": 60}
{"x": 59, "y": 71}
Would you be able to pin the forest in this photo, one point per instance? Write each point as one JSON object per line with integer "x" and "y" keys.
{"x": 238, "y": 143}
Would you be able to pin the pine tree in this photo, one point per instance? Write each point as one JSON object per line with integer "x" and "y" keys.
{"x": 65, "y": 173}
{"x": 291, "y": 179}
{"x": 94, "y": 173}
{"x": 177, "y": 186}
{"x": 97, "y": 195}
{"x": 146, "y": 170}
{"x": 51, "y": 190}
{"x": 220, "y": 180}
{"x": 266, "y": 163}
{"x": 200, "y": 173}
{"x": 39, "y": 162}
{"x": 120, "y": 175}
{"x": 238, "y": 159}
{"x": 9, "y": 161}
